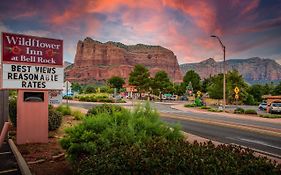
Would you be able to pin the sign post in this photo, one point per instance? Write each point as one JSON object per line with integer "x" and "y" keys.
{"x": 33, "y": 65}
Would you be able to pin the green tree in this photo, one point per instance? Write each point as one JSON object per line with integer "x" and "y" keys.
{"x": 277, "y": 89}
{"x": 206, "y": 82}
{"x": 234, "y": 79}
{"x": 194, "y": 78}
{"x": 161, "y": 83}
{"x": 76, "y": 87}
{"x": 139, "y": 77}
{"x": 256, "y": 91}
{"x": 116, "y": 82}
{"x": 179, "y": 89}
{"x": 89, "y": 89}
{"x": 268, "y": 89}
{"x": 214, "y": 88}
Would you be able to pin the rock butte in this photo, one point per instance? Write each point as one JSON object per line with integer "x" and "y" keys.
{"x": 96, "y": 62}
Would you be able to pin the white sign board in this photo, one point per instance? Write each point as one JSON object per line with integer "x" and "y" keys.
{"x": 17, "y": 76}
{"x": 55, "y": 97}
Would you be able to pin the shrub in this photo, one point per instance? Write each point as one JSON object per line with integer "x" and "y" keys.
{"x": 189, "y": 105}
{"x": 104, "y": 108}
{"x": 106, "y": 131}
{"x": 250, "y": 111}
{"x": 55, "y": 118}
{"x": 214, "y": 110}
{"x": 77, "y": 115}
{"x": 64, "y": 109}
{"x": 239, "y": 111}
{"x": 13, "y": 110}
{"x": 205, "y": 107}
{"x": 160, "y": 156}
{"x": 270, "y": 115}
{"x": 68, "y": 97}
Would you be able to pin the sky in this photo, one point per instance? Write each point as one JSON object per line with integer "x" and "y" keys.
{"x": 247, "y": 28}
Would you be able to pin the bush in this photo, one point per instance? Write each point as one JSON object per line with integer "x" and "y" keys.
{"x": 239, "y": 111}
{"x": 68, "y": 97}
{"x": 270, "y": 115}
{"x": 64, "y": 109}
{"x": 77, "y": 115}
{"x": 160, "y": 156}
{"x": 205, "y": 107}
{"x": 55, "y": 119}
{"x": 214, "y": 110}
{"x": 13, "y": 110}
{"x": 250, "y": 111}
{"x": 189, "y": 105}
{"x": 138, "y": 142}
{"x": 104, "y": 108}
{"x": 106, "y": 131}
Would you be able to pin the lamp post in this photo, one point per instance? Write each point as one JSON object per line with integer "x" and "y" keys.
{"x": 223, "y": 48}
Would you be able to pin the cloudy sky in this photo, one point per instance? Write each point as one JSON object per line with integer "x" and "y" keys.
{"x": 248, "y": 28}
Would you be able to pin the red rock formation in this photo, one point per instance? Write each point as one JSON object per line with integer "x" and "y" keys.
{"x": 96, "y": 61}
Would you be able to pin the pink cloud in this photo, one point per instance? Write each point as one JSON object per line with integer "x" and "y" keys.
{"x": 202, "y": 12}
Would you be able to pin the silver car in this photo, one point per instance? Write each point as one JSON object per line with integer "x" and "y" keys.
{"x": 275, "y": 107}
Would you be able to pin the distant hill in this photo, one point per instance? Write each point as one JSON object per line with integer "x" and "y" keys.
{"x": 254, "y": 70}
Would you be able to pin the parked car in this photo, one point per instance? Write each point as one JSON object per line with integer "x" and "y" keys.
{"x": 263, "y": 106}
{"x": 275, "y": 107}
{"x": 183, "y": 98}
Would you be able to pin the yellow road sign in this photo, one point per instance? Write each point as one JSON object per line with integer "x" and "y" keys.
{"x": 236, "y": 96}
{"x": 198, "y": 93}
{"x": 236, "y": 90}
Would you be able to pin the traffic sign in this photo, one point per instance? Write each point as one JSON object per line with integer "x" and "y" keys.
{"x": 236, "y": 96}
{"x": 236, "y": 90}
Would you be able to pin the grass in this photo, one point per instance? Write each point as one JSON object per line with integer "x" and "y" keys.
{"x": 78, "y": 115}
{"x": 214, "y": 110}
{"x": 205, "y": 107}
{"x": 269, "y": 115}
{"x": 189, "y": 105}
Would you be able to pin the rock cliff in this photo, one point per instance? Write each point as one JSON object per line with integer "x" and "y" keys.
{"x": 254, "y": 70}
{"x": 95, "y": 61}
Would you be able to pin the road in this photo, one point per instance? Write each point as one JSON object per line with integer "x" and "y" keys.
{"x": 258, "y": 135}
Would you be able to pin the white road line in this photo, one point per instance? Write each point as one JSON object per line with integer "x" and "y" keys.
{"x": 254, "y": 141}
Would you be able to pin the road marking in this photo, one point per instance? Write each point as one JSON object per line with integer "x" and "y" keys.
{"x": 219, "y": 123}
{"x": 254, "y": 141}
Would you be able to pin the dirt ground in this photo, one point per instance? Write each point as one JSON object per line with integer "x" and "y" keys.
{"x": 49, "y": 158}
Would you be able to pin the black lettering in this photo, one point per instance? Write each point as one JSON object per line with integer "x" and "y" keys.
{"x": 53, "y": 70}
{"x": 55, "y": 77}
{"x": 10, "y": 76}
{"x": 20, "y": 76}
{"x": 42, "y": 77}
{"x": 25, "y": 76}
{"x": 13, "y": 67}
{"x": 23, "y": 84}
{"x": 37, "y": 69}
{"x": 43, "y": 84}
{"x": 15, "y": 76}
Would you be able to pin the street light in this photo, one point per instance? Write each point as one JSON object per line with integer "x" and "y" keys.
{"x": 223, "y": 48}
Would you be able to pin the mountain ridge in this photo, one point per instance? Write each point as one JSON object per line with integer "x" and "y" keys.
{"x": 254, "y": 70}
